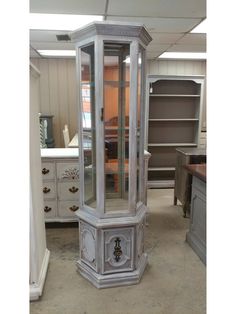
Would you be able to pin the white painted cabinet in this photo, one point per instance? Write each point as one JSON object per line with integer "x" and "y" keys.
{"x": 39, "y": 254}
{"x": 60, "y": 173}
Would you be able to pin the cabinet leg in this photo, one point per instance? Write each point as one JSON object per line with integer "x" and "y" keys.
{"x": 175, "y": 200}
{"x": 185, "y": 210}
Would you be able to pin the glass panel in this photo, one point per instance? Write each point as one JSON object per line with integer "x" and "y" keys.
{"x": 88, "y": 127}
{"x": 116, "y": 124}
{"x": 139, "y": 103}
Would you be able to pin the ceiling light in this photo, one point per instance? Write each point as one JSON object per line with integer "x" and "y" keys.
{"x": 127, "y": 60}
{"x": 200, "y": 28}
{"x": 67, "y": 22}
{"x": 57, "y": 53}
{"x": 183, "y": 55}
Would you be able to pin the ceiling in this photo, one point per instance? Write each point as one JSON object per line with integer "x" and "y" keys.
{"x": 169, "y": 22}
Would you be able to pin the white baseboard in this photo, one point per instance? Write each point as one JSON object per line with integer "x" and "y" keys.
{"x": 36, "y": 289}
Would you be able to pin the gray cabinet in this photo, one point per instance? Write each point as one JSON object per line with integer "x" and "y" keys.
{"x": 196, "y": 236}
{"x": 174, "y": 105}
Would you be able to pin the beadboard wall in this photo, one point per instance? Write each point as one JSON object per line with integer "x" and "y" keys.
{"x": 58, "y": 94}
{"x": 58, "y": 88}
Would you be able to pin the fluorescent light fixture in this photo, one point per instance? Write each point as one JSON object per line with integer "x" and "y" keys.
{"x": 63, "y": 22}
{"x": 183, "y": 55}
{"x": 57, "y": 53}
{"x": 127, "y": 60}
{"x": 200, "y": 28}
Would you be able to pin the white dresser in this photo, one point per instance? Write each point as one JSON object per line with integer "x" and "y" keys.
{"x": 60, "y": 172}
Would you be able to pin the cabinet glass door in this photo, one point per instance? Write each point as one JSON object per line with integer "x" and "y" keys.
{"x": 88, "y": 124}
{"x": 116, "y": 124}
{"x": 140, "y": 125}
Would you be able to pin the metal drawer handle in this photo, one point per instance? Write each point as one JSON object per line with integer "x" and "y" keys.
{"x": 74, "y": 208}
{"x": 45, "y": 171}
{"x": 73, "y": 189}
{"x": 47, "y": 209}
{"x": 46, "y": 190}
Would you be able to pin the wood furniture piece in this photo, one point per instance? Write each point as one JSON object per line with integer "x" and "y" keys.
{"x": 60, "y": 173}
{"x": 39, "y": 254}
{"x": 196, "y": 236}
{"x": 183, "y": 180}
{"x": 174, "y": 108}
{"x": 74, "y": 143}
{"x": 66, "y": 135}
{"x": 47, "y": 128}
{"x": 111, "y": 77}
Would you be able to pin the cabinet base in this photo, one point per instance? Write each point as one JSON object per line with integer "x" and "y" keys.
{"x": 113, "y": 280}
{"x": 197, "y": 246}
{"x": 36, "y": 288}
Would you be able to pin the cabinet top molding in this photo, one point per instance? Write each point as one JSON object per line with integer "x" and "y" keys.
{"x": 111, "y": 28}
{"x": 196, "y": 78}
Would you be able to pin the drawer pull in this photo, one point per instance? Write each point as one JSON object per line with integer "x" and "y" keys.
{"x": 46, "y": 190}
{"x": 47, "y": 209}
{"x": 73, "y": 189}
{"x": 45, "y": 171}
{"x": 74, "y": 208}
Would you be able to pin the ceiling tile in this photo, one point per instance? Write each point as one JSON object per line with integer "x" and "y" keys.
{"x": 187, "y": 48}
{"x": 163, "y": 25}
{"x": 153, "y": 55}
{"x": 154, "y": 46}
{"x": 165, "y": 38}
{"x": 45, "y": 35}
{"x": 158, "y": 8}
{"x": 193, "y": 39}
{"x": 89, "y": 7}
{"x": 53, "y": 45}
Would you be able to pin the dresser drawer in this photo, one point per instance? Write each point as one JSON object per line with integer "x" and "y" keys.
{"x": 48, "y": 170}
{"x": 50, "y": 209}
{"x": 68, "y": 208}
{"x": 68, "y": 190}
{"x": 69, "y": 170}
{"x": 49, "y": 190}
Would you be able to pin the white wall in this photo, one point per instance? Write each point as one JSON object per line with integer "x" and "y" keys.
{"x": 58, "y": 88}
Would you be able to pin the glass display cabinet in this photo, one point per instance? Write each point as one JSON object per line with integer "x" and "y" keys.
{"x": 111, "y": 93}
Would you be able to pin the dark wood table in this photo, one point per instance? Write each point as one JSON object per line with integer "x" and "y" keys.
{"x": 198, "y": 170}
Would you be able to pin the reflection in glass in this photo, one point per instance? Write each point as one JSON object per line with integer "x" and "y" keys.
{"x": 139, "y": 152}
{"x": 116, "y": 124}
{"x": 88, "y": 121}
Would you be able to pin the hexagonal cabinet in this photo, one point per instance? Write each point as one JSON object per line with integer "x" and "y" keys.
{"x": 111, "y": 95}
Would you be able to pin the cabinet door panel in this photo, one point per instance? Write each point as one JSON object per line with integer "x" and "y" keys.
{"x": 68, "y": 190}
{"x": 68, "y": 170}
{"x": 48, "y": 170}
{"x": 67, "y": 209}
{"x": 50, "y": 209}
{"x": 49, "y": 190}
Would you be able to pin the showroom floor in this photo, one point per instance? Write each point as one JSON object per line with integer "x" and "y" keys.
{"x": 174, "y": 281}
